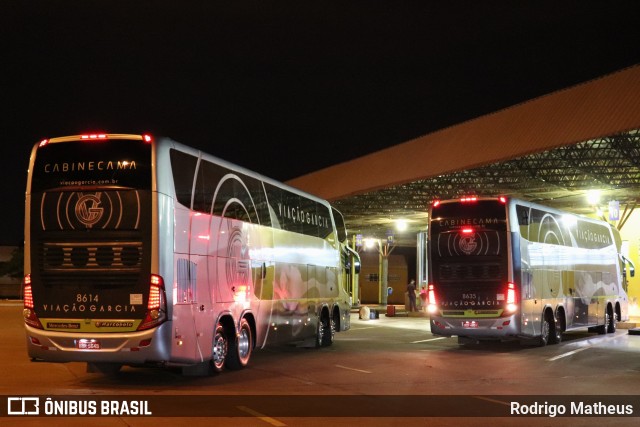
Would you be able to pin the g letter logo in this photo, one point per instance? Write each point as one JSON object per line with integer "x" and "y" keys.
{"x": 88, "y": 210}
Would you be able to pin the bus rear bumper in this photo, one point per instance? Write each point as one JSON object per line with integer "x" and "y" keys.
{"x": 127, "y": 348}
{"x": 502, "y": 328}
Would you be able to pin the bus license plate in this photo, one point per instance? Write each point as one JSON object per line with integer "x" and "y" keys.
{"x": 88, "y": 344}
{"x": 470, "y": 324}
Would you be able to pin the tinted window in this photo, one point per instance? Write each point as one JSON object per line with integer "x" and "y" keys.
{"x": 485, "y": 214}
{"x": 231, "y": 194}
{"x": 340, "y": 226}
{"x": 183, "y": 166}
{"x": 219, "y": 190}
{"x": 105, "y": 163}
{"x": 299, "y": 214}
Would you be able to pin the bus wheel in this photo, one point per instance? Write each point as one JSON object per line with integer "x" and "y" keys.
{"x": 330, "y": 333}
{"x": 555, "y": 331}
{"x": 323, "y": 330}
{"x": 612, "y": 321}
{"x": 545, "y": 330}
{"x": 602, "y": 329}
{"x": 240, "y": 348}
{"x": 219, "y": 349}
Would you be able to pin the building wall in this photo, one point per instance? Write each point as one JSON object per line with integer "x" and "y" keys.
{"x": 369, "y": 280}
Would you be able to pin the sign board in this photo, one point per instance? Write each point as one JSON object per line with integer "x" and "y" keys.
{"x": 614, "y": 210}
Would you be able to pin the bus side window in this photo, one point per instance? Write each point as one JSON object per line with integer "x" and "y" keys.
{"x": 184, "y": 167}
{"x": 523, "y": 220}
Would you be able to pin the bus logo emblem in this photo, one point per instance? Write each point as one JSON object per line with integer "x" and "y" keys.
{"x": 468, "y": 244}
{"x": 88, "y": 210}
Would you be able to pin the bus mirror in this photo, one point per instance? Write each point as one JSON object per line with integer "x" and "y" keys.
{"x": 632, "y": 268}
{"x": 626, "y": 262}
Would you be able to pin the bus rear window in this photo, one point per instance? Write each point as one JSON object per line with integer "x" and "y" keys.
{"x": 480, "y": 215}
{"x": 109, "y": 163}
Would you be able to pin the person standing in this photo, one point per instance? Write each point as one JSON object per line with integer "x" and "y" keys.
{"x": 411, "y": 291}
{"x": 423, "y": 298}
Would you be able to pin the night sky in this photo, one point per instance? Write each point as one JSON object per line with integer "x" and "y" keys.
{"x": 285, "y": 87}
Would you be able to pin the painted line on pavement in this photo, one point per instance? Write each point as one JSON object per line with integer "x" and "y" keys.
{"x": 430, "y": 339}
{"x": 578, "y": 350}
{"x": 571, "y": 353}
{"x": 353, "y": 369}
{"x": 491, "y": 400}
{"x": 262, "y": 417}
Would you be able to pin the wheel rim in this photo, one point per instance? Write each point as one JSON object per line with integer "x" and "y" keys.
{"x": 320, "y": 330}
{"x": 332, "y": 326}
{"x": 219, "y": 350}
{"x": 545, "y": 331}
{"x": 611, "y": 322}
{"x": 244, "y": 344}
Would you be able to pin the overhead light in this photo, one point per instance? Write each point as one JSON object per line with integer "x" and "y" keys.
{"x": 401, "y": 224}
{"x": 593, "y": 197}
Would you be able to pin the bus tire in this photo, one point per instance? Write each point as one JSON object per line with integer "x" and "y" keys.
{"x": 602, "y": 329}
{"x": 240, "y": 349}
{"x": 613, "y": 320}
{"x": 331, "y": 335}
{"x": 219, "y": 349}
{"x": 545, "y": 329}
{"x": 324, "y": 336}
{"x": 555, "y": 331}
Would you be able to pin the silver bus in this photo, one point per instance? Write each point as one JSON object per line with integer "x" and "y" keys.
{"x": 504, "y": 269}
{"x": 146, "y": 252}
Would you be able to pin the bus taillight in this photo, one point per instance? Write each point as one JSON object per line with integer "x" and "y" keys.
{"x": 28, "y": 313}
{"x": 469, "y": 199}
{"x": 512, "y": 306}
{"x": 157, "y": 305}
{"x": 93, "y": 136}
{"x": 28, "y": 294}
{"x": 431, "y": 296}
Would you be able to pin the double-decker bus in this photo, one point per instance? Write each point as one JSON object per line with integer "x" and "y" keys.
{"x": 147, "y": 252}
{"x": 504, "y": 269}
